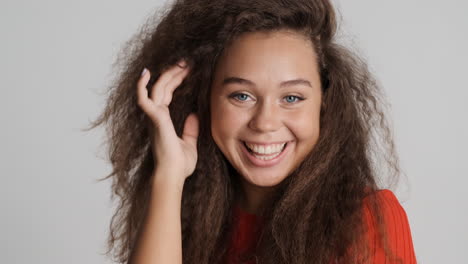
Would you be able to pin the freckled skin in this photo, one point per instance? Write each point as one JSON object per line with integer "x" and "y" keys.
{"x": 264, "y": 111}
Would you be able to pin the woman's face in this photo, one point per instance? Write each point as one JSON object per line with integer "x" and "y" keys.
{"x": 265, "y": 105}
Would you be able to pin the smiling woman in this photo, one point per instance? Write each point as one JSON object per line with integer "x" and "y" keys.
{"x": 250, "y": 135}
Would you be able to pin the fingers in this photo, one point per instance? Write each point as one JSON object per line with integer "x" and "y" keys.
{"x": 161, "y": 92}
{"x": 191, "y": 130}
{"x": 171, "y": 86}
{"x": 142, "y": 94}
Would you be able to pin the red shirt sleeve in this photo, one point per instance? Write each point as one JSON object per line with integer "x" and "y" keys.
{"x": 397, "y": 227}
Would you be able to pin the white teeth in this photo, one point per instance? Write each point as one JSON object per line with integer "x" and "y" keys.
{"x": 267, "y": 157}
{"x": 269, "y": 149}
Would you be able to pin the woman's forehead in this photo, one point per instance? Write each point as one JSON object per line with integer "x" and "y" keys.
{"x": 268, "y": 56}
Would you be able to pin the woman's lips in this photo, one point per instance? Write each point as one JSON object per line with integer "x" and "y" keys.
{"x": 257, "y": 161}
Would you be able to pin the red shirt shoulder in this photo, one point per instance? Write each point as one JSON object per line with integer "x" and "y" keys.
{"x": 397, "y": 228}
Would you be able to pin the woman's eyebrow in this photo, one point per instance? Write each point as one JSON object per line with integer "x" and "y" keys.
{"x": 241, "y": 81}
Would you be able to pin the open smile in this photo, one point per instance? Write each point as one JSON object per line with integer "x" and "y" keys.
{"x": 265, "y": 155}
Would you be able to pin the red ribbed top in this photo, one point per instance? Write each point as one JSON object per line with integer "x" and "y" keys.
{"x": 247, "y": 227}
{"x": 246, "y": 230}
{"x": 397, "y": 227}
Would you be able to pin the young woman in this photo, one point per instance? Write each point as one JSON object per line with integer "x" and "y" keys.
{"x": 251, "y": 136}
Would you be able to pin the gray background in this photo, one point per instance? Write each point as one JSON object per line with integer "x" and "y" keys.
{"x": 56, "y": 57}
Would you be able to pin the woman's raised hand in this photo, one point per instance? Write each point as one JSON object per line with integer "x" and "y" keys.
{"x": 174, "y": 157}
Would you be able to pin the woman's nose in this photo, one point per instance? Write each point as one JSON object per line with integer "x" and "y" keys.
{"x": 265, "y": 117}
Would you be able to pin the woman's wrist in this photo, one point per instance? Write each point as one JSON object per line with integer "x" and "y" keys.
{"x": 168, "y": 178}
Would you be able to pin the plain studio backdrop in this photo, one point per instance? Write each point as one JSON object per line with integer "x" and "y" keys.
{"x": 55, "y": 61}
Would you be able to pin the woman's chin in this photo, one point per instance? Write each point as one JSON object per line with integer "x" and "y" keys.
{"x": 264, "y": 179}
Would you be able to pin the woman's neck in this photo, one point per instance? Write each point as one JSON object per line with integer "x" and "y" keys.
{"x": 252, "y": 198}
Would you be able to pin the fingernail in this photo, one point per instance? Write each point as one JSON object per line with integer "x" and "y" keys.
{"x": 144, "y": 71}
{"x": 182, "y": 63}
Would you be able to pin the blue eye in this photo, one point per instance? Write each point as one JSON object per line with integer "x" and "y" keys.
{"x": 293, "y": 99}
{"x": 240, "y": 96}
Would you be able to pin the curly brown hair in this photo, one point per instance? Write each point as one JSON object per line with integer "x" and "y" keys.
{"x": 316, "y": 212}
